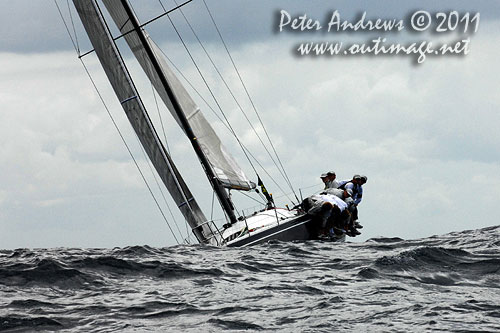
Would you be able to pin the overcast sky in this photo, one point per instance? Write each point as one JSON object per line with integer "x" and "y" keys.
{"x": 425, "y": 135}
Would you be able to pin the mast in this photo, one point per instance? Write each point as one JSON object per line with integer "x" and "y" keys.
{"x": 127, "y": 94}
{"x": 214, "y": 181}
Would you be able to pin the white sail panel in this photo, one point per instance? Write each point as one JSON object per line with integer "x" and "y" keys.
{"x": 223, "y": 164}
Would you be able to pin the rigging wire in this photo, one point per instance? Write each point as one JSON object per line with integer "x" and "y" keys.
{"x": 260, "y": 202}
{"x": 169, "y": 152}
{"x": 249, "y": 97}
{"x": 167, "y": 144}
{"x": 113, "y": 121}
{"x": 220, "y": 119}
{"x": 159, "y": 187}
{"x": 66, "y": 26}
{"x": 146, "y": 115}
{"x": 308, "y": 187}
{"x": 74, "y": 30}
{"x": 76, "y": 46}
{"x": 212, "y": 209}
{"x": 161, "y": 121}
{"x": 208, "y": 87}
{"x": 180, "y": 188}
{"x": 226, "y": 123}
{"x": 178, "y": 34}
{"x": 130, "y": 152}
{"x": 263, "y": 197}
{"x": 231, "y": 92}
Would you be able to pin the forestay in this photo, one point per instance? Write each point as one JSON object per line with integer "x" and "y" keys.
{"x": 223, "y": 164}
{"x": 128, "y": 96}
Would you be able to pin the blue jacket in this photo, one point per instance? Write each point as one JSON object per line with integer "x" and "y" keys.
{"x": 357, "y": 190}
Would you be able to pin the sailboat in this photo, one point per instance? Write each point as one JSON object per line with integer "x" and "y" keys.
{"x": 222, "y": 171}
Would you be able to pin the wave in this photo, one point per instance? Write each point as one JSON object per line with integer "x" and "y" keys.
{"x": 424, "y": 258}
{"x": 92, "y": 271}
{"x": 44, "y": 272}
{"x": 235, "y": 324}
{"x": 29, "y": 303}
{"x": 439, "y": 266}
{"x": 11, "y": 322}
{"x": 301, "y": 286}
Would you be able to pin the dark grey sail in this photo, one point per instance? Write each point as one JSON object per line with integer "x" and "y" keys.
{"x": 128, "y": 96}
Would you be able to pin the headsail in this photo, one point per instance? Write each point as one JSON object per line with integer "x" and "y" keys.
{"x": 223, "y": 164}
{"x": 128, "y": 96}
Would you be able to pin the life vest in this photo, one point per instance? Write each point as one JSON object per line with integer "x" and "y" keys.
{"x": 355, "y": 189}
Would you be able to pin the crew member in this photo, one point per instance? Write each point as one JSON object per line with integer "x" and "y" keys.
{"x": 329, "y": 180}
{"x": 331, "y": 183}
{"x": 324, "y": 178}
{"x": 356, "y": 186}
{"x": 346, "y": 195}
{"x": 327, "y": 209}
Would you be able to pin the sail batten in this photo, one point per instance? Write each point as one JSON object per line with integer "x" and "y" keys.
{"x": 224, "y": 166}
{"x": 128, "y": 96}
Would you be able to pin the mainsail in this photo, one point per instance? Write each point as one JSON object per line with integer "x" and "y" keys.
{"x": 128, "y": 96}
{"x": 225, "y": 168}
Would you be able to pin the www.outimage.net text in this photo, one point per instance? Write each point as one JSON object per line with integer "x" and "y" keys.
{"x": 416, "y": 22}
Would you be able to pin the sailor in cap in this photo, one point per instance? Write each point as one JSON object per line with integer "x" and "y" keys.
{"x": 328, "y": 179}
{"x": 324, "y": 178}
{"x": 362, "y": 181}
{"x": 332, "y": 182}
{"x": 356, "y": 185}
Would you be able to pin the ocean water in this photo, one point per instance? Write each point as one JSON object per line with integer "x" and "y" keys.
{"x": 441, "y": 283}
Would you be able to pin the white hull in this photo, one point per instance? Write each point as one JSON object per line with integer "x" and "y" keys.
{"x": 278, "y": 224}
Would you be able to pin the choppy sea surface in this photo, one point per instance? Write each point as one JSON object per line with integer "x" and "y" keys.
{"x": 441, "y": 283}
